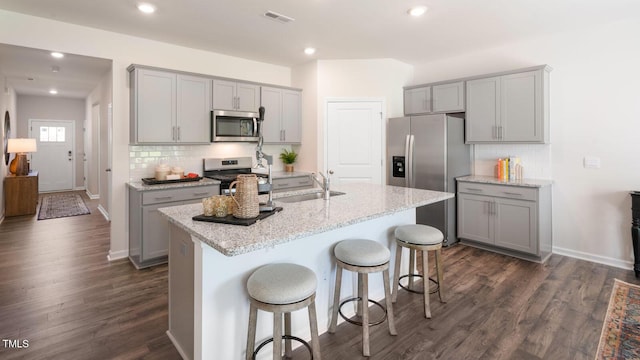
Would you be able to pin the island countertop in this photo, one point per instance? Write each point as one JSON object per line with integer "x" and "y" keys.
{"x": 361, "y": 202}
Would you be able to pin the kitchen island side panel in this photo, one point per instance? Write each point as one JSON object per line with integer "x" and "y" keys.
{"x": 221, "y": 302}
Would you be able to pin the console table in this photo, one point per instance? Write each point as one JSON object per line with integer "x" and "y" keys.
{"x": 21, "y": 194}
{"x": 635, "y": 230}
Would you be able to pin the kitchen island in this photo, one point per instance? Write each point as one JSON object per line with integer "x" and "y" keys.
{"x": 209, "y": 263}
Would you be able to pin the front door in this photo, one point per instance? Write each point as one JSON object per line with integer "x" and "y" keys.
{"x": 354, "y": 141}
{"x": 54, "y": 158}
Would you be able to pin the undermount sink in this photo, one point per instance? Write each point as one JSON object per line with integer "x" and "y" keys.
{"x": 304, "y": 197}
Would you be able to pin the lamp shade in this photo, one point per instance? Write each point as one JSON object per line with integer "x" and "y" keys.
{"x": 22, "y": 146}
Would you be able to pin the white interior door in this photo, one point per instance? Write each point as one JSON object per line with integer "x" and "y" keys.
{"x": 354, "y": 141}
{"x": 54, "y": 158}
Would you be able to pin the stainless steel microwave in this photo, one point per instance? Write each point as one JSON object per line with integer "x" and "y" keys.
{"x": 234, "y": 126}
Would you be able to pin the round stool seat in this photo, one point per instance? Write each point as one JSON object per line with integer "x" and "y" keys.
{"x": 419, "y": 234}
{"x": 361, "y": 252}
{"x": 282, "y": 283}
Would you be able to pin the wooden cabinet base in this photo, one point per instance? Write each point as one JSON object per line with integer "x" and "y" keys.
{"x": 21, "y": 194}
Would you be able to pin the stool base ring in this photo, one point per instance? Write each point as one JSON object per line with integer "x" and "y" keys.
{"x": 359, "y": 323}
{"x": 284, "y": 337}
{"x": 437, "y": 288}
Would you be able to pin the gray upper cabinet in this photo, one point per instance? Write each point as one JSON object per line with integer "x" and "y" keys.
{"x": 169, "y": 108}
{"x": 417, "y": 100}
{"x": 512, "y": 108}
{"x": 239, "y": 96}
{"x": 193, "y": 109}
{"x": 448, "y": 97}
{"x": 283, "y": 115}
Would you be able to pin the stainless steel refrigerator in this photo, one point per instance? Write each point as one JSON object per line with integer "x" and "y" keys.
{"x": 428, "y": 152}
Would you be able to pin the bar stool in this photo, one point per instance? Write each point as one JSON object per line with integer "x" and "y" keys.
{"x": 364, "y": 257}
{"x": 423, "y": 238}
{"x": 281, "y": 289}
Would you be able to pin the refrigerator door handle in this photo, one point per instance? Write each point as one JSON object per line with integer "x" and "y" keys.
{"x": 407, "y": 174}
{"x": 412, "y": 180}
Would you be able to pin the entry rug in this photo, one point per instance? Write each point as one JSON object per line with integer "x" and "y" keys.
{"x": 62, "y": 205}
{"x": 620, "y": 338}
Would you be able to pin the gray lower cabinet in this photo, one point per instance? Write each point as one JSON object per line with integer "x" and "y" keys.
{"x": 292, "y": 182}
{"x": 148, "y": 229}
{"x": 510, "y": 219}
{"x": 511, "y": 108}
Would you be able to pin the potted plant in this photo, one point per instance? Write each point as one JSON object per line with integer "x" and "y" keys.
{"x": 288, "y": 158}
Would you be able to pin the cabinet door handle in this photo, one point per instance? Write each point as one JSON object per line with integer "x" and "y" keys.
{"x": 178, "y": 137}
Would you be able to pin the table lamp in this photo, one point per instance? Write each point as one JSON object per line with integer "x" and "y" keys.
{"x": 21, "y": 147}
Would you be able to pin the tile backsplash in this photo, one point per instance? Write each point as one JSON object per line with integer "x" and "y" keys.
{"x": 144, "y": 158}
{"x": 535, "y": 158}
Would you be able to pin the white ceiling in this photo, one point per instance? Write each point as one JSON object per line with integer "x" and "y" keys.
{"x": 339, "y": 29}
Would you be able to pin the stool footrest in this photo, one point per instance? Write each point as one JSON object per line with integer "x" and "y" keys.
{"x": 437, "y": 288}
{"x": 284, "y": 337}
{"x": 359, "y": 323}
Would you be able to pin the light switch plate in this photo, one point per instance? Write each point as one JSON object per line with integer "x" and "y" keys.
{"x": 591, "y": 162}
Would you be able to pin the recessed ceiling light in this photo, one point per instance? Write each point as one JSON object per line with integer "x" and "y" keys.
{"x": 57, "y": 55}
{"x": 417, "y": 11}
{"x": 146, "y": 8}
{"x": 53, "y": 91}
{"x": 309, "y": 51}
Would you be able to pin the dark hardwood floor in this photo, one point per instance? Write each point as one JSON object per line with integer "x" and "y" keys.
{"x": 59, "y": 292}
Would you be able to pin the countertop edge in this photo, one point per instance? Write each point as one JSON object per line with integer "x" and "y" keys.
{"x": 534, "y": 183}
{"x": 141, "y": 187}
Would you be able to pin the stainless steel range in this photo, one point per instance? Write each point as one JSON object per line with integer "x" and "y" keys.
{"x": 225, "y": 170}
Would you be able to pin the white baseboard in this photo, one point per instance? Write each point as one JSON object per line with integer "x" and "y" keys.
{"x": 117, "y": 255}
{"x": 104, "y": 212}
{"x": 92, "y": 196}
{"x": 177, "y": 346}
{"x": 627, "y": 265}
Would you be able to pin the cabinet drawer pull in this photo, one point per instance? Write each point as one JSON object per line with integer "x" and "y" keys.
{"x": 283, "y": 184}
{"x": 164, "y": 198}
{"x": 512, "y": 193}
{"x": 473, "y": 189}
{"x": 303, "y": 182}
{"x": 201, "y": 194}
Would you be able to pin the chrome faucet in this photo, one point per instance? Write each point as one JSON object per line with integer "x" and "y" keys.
{"x": 324, "y": 184}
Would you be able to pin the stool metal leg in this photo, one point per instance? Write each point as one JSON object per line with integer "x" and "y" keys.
{"x": 365, "y": 315}
{"x": 440, "y": 274}
{"x": 336, "y": 300}
{"x": 360, "y": 291}
{"x": 287, "y": 331}
{"x": 396, "y": 272}
{"x": 277, "y": 335}
{"x": 425, "y": 283}
{"x": 387, "y": 298}
{"x": 412, "y": 267}
{"x": 313, "y": 324}
{"x": 251, "y": 337}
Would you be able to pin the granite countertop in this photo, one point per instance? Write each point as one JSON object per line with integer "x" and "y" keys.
{"x": 496, "y": 181}
{"x": 140, "y": 186}
{"x": 361, "y": 202}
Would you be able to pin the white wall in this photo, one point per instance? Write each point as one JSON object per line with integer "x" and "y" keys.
{"x": 24, "y": 30}
{"x": 55, "y": 108}
{"x": 367, "y": 78}
{"x": 7, "y": 103}
{"x": 595, "y": 111}
{"x": 306, "y": 77}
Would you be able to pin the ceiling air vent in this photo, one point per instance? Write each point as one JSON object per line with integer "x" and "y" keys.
{"x": 278, "y": 17}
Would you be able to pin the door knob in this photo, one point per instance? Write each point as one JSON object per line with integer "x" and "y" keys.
{"x": 107, "y": 170}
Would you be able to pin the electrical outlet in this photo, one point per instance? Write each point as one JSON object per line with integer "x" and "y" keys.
{"x": 591, "y": 162}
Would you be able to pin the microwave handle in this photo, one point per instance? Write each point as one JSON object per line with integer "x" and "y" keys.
{"x": 255, "y": 127}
